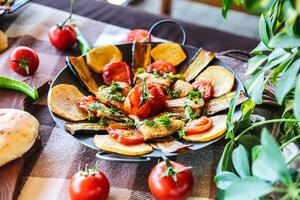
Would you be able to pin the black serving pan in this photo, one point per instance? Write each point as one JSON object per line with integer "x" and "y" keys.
{"x": 67, "y": 76}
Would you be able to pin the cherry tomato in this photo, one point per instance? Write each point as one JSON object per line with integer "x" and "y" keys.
{"x": 62, "y": 37}
{"x": 89, "y": 185}
{"x": 125, "y": 135}
{"x": 205, "y": 87}
{"x": 198, "y": 126}
{"x": 117, "y": 72}
{"x": 139, "y": 35}
{"x": 162, "y": 184}
{"x": 154, "y": 104}
{"x": 84, "y": 102}
{"x": 24, "y": 61}
{"x": 161, "y": 67}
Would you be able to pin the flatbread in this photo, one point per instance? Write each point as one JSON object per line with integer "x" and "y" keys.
{"x": 63, "y": 100}
{"x": 108, "y": 143}
{"x": 18, "y": 132}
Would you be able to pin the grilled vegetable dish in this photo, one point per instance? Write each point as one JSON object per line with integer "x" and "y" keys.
{"x": 134, "y": 108}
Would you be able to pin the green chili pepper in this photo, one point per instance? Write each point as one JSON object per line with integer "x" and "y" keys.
{"x": 83, "y": 44}
{"x": 14, "y": 84}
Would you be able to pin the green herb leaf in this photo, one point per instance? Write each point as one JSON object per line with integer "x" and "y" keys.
{"x": 145, "y": 94}
{"x": 230, "y": 115}
{"x": 297, "y": 100}
{"x": 240, "y": 161}
{"x": 194, "y": 95}
{"x": 270, "y": 153}
{"x": 224, "y": 180}
{"x": 247, "y": 188}
{"x": 181, "y": 131}
{"x": 149, "y": 123}
{"x": 255, "y": 62}
{"x": 283, "y": 40}
{"x": 103, "y": 121}
{"x": 173, "y": 76}
{"x": 288, "y": 81}
{"x": 163, "y": 120}
{"x": 189, "y": 113}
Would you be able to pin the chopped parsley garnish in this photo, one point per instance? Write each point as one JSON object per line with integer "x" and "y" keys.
{"x": 128, "y": 123}
{"x": 115, "y": 97}
{"x": 181, "y": 131}
{"x": 149, "y": 123}
{"x": 194, "y": 95}
{"x": 189, "y": 113}
{"x": 91, "y": 117}
{"x": 114, "y": 92}
{"x": 95, "y": 106}
{"x": 156, "y": 74}
{"x": 116, "y": 112}
{"x": 103, "y": 121}
{"x": 171, "y": 93}
{"x": 140, "y": 70}
{"x": 115, "y": 87}
{"x": 163, "y": 120}
{"x": 172, "y": 76}
{"x": 145, "y": 94}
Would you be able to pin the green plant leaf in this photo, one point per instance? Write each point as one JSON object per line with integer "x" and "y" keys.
{"x": 281, "y": 68}
{"x": 255, "y": 152}
{"x": 288, "y": 80}
{"x": 258, "y": 6}
{"x": 278, "y": 52}
{"x": 249, "y": 141}
{"x": 282, "y": 40}
{"x": 270, "y": 164}
{"x": 255, "y": 62}
{"x": 230, "y": 114}
{"x": 247, "y": 188}
{"x": 263, "y": 30}
{"x": 297, "y": 100}
{"x": 247, "y": 108}
{"x": 240, "y": 161}
{"x": 277, "y": 61}
{"x": 261, "y": 47}
{"x": 226, "y": 4}
{"x": 255, "y": 86}
{"x": 225, "y": 161}
{"x": 224, "y": 179}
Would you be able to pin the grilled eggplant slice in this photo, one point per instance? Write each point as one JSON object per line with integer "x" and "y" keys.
{"x": 161, "y": 126}
{"x": 141, "y": 55}
{"x": 75, "y": 128}
{"x": 217, "y": 130}
{"x": 108, "y": 143}
{"x": 112, "y": 96}
{"x": 182, "y": 87}
{"x": 222, "y": 103}
{"x": 98, "y": 57}
{"x": 169, "y": 52}
{"x": 169, "y": 145}
{"x": 82, "y": 70}
{"x": 63, "y": 100}
{"x": 200, "y": 61}
{"x": 222, "y": 79}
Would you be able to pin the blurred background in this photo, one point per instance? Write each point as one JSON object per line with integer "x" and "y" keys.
{"x": 203, "y": 12}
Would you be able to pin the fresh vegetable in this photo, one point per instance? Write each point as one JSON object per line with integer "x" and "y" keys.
{"x": 199, "y": 126}
{"x": 138, "y": 35}
{"x": 205, "y": 87}
{"x": 99, "y": 57}
{"x": 221, "y": 78}
{"x": 83, "y": 43}
{"x": 169, "y": 52}
{"x": 170, "y": 180}
{"x": 125, "y": 135}
{"x": 14, "y": 84}
{"x": 117, "y": 71}
{"x": 145, "y": 100}
{"x": 85, "y": 101}
{"x": 90, "y": 184}
{"x": 141, "y": 55}
{"x": 161, "y": 67}
{"x": 62, "y": 36}
{"x": 24, "y": 60}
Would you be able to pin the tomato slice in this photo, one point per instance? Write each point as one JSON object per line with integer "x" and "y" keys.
{"x": 205, "y": 87}
{"x": 152, "y": 106}
{"x": 125, "y": 135}
{"x": 139, "y": 35}
{"x": 198, "y": 126}
{"x": 84, "y": 102}
{"x": 117, "y": 72}
{"x": 161, "y": 67}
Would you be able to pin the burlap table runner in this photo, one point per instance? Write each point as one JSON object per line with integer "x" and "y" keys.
{"x": 47, "y": 172}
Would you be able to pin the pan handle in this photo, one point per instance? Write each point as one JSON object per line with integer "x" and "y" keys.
{"x": 237, "y": 54}
{"x": 103, "y": 156}
{"x": 157, "y": 24}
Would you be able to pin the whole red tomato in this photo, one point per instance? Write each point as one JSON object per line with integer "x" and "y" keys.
{"x": 155, "y": 103}
{"x": 117, "y": 72}
{"x": 89, "y": 185}
{"x": 205, "y": 87}
{"x": 62, "y": 37}
{"x": 139, "y": 35}
{"x": 161, "y": 67}
{"x": 170, "y": 181}
{"x": 24, "y": 61}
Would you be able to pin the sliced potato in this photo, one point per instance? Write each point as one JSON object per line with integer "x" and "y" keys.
{"x": 63, "y": 100}
{"x": 217, "y": 130}
{"x": 3, "y": 41}
{"x": 169, "y": 52}
{"x": 108, "y": 143}
{"x": 222, "y": 79}
{"x": 79, "y": 65}
{"x": 200, "y": 61}
{"x": 98, "y": 57}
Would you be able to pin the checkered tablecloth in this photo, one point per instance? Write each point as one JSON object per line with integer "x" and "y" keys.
{"x": 48, "y": 171}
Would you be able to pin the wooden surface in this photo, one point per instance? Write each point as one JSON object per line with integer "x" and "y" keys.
{"x": 165, "y": 7}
